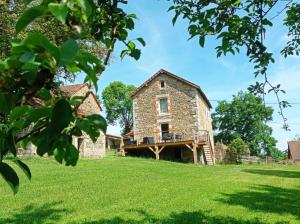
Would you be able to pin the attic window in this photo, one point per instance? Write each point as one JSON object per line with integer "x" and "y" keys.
{"x": 162, "y": 84}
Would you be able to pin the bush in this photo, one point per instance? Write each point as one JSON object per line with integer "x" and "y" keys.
{"x": 236, "y": 149}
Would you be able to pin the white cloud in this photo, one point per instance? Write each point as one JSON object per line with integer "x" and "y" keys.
{"x": 288, "y": 77}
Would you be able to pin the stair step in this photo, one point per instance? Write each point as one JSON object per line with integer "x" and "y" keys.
{"x": 208, "y": 156}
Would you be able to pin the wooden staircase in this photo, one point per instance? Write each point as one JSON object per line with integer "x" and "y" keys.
{"x": 208, "y": 155}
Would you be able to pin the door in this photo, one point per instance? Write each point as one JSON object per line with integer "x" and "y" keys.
{"x": 164, "y": 129}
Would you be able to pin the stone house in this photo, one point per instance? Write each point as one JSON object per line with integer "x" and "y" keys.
{"x": 89, "y": 106}
{"x": 169, "y": 109}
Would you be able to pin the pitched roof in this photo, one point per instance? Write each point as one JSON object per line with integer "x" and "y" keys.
{"x": 72, "y": 89}
{"x": 294, "y": 150}
{"x": 162, "y": 71}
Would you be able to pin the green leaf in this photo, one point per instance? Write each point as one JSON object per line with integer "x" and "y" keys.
{"x": 10, "y": 176}
{"x": 18, "y": 112}
{"x": 71, "y": 155}
{"x": 92, "y": 125}
{"x": 86, "y": 7}
{"x": 61, "y": 117}
{"x": 24, "y": 167}
{"x": 7, "y": 102}
{"x": 141, "y": 40}
{"x": 37, "y": 114}
{"x": 28, "y": 16}
{"x": 40, "y": 40}
{"x": 68, "y": 52}
{"x": 131, "y": 45}
{"x": 59, "y": 154}
{"x": 202, "y": 41}
{"x": 44, "y": 94}
{"x": 27, "y": 1}
{"x": 135, "y": 53}
{"x": 59, "y": 11}
{"x": 26, "y": 57}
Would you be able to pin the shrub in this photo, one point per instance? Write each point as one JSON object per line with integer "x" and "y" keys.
{"x": 236, "y": 149}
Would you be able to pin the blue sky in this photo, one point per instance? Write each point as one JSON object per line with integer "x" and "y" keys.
{"x": 168, "y": 48}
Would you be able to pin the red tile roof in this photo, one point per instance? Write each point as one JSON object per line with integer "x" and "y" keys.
{"x": 72, "y": 89}
{"x": 294, "y": 150}
{"x": 162, "y": 71}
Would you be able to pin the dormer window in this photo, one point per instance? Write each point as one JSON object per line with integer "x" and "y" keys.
{"x": 162, "y": 84}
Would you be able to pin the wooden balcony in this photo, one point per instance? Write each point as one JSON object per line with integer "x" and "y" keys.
{"x": 158, "y": 143}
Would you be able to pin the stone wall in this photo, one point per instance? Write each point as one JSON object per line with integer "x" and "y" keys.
{"x": 89, "y": 105}
{"x": 85, "y": 145}
{"x": 89, "y": 149}
{"x": 204, "y": 117}
{"x": 187, "y": 113}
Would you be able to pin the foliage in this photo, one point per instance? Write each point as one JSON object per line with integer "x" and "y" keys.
{"x": 237, "y": 148}
{"x": 50, "y": 27}
{"x": 241, "y": 25}
{"x": 32, "y": 108}
{"x": 297, "y": 137}
{"x": 278, "y": 155}
{"x": 118, "y": 104}
{"x": 245, "y": 117}
{"x": 60, "y": 197}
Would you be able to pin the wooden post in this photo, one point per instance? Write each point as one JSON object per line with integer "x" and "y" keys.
{"x": 195, "y": 153}
{"x": 122, "y": 150}
{"x": 157, "y": 152}
{"x": 202, "y": 157}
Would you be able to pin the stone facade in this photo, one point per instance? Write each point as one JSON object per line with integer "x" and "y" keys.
{"x": 89, "y": 106}
{"x": 188, "y": 111}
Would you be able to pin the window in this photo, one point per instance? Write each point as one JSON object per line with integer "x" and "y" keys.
{"x": 164, "y": 128}
{"x": 162, "y": 84}
{"x": 163, "y": 104}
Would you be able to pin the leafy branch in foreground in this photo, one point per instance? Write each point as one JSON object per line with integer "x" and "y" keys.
{"x": 242, "y": 24}
{"x": 32, "y": 108}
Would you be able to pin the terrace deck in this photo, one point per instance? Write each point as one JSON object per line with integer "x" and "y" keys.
{"x": 157, "y": 147}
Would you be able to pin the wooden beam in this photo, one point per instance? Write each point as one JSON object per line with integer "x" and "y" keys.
{"x": 189, "y": 147}
{"x": 195, "y": 153}
{"x": 122, "y": 147}
{"x": 156, "y": 152}
{"x": 162, "y": 148}
{"x": 149, "y": 147}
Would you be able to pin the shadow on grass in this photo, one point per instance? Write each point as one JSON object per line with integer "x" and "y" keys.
{"x": 277, "y": 173}
{"x": 265, "y": 198}
{"x": 34, "y": 214}
{"x": 197, "y": 217}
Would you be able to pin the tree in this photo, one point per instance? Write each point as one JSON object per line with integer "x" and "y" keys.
{"x": 237, "y": 148}
{"x": 241, "y": 25}
{"x": 118, "y": 104}
{"x": 50, "y": 27}
{"x": 29, "y": 77}
{"x": 245, "y": 117}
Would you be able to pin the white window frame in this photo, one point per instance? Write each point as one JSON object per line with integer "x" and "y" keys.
{"x": 167, "y": 105}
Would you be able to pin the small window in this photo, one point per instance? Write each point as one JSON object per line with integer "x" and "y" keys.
{"x": 163, "y": 103}
{"x": 162, "y": 84}
{"x": 164, "y": 128}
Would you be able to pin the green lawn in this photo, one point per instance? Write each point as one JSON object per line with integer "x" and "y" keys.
{"x": 132, "y": 190}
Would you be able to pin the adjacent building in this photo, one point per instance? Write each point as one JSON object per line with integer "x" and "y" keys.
{"x": 89, "y": 106}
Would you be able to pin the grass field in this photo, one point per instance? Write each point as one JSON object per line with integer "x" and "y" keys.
{"x": 132, "y": 190}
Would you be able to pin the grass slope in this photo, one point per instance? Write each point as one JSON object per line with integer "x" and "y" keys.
{"x": 132, "y": 190}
